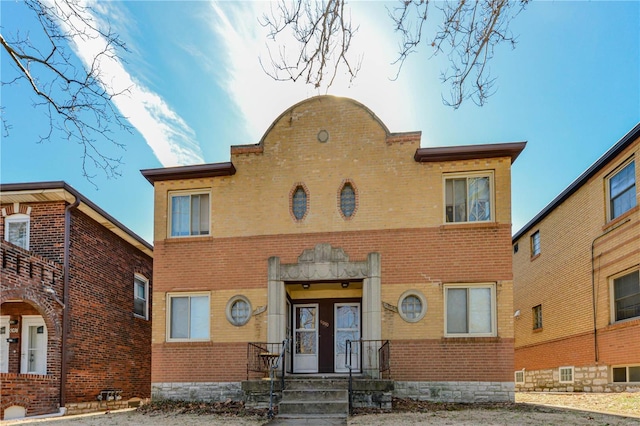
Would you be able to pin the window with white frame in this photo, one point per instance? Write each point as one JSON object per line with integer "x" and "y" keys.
{"x": 470, "y": 310}
{"x": 190, "y": 213}
{"x": 16, "y": 230}
{"x": 187, "y": 316}
{"x": 566, "y": 374}
{"x": 412, "y": 306}
{"x": 468, "y": 198}
{"x": 141, "y": 296}
{"x": 625, "y": 374}
{"x": 535, "y": 243}
{"x": 519, "y": 376}
{"x": 626, "y": 296}
{"x": 622, "y": 190}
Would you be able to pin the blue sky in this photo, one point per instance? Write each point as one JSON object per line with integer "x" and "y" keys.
{"x": 571, "y": 89}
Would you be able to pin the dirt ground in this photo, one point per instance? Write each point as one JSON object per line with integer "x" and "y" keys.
{"x": 530, "y": 409}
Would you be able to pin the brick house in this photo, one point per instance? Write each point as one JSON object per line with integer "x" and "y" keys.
{"x": 576, "y": 282}
{"x": 333, "y": 229}
{"x": 75, "y": 332}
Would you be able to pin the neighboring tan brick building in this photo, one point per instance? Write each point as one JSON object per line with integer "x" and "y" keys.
{"x": 576, "y": 282}
{"x": 332, "y": 228}
{"x": 75, "y": 313}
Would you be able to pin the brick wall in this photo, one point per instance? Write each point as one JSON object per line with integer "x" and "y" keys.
{"x": 400, "y": 215}
{"x": 581, "y": 253}
{"x": 108, "y": 348}
{"x": 46, "y": 234}
{"x": 451, "y": 360}
{"x": 24, "y": 275}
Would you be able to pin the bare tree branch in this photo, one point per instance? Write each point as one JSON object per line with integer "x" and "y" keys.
{"x": 323, "y": 33}
{"x": 75, "y": 97}
{"x": 468, "y": 35}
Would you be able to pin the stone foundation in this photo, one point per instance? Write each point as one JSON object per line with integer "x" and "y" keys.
{"x": 456, "y": 391}
{"x": 94, "y": 406}
{"x": 585, "y": 379}
{"x": 198, "y": 391}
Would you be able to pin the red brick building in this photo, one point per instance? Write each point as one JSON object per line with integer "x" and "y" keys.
{"x": 332, "y": 228}
{"x": 75, "y": 313}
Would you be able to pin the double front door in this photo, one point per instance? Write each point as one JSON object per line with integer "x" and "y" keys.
{"x": 320, "y": 333}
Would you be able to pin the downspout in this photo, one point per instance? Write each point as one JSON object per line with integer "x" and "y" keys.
{"x": 65, "y": 298}
{"x": 593, "y": 286}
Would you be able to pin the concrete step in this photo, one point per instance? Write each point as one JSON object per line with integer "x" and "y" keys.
{"x": 296, "y": 407}
{"x": 316, "y": 383}
{"x": 315, "y": 395}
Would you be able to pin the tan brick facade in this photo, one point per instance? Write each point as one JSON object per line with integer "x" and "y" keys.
{"x": 399, "y": 217}
{"x": 581, "y": 252}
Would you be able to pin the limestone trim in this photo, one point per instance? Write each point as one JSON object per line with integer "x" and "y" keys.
{"x": 324, "y": 263}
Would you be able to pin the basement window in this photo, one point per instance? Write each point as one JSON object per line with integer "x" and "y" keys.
{"x": 629, "y": 373}
{"x": 566, "y": 374}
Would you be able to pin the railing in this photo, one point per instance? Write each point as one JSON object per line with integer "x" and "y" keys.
{"x": 257, "y": 356}
{"x": 373, "y": 358}
{"x": 267, "y": 358}
{"x": 272, "y": 375}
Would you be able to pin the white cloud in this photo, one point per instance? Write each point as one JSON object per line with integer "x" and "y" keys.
{"x": 262, "y": 99}
{"x": 170, "y": 138}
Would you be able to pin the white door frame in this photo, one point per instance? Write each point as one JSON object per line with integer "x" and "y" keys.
{"x": 4, "y": 345}
{"x": 305, "y": 362}
{"x": 27, "y": 350}
{"x": 339, "y": 355}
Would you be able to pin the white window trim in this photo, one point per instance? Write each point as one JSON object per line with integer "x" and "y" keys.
{"x": 494, "y": 302}
{"x": 458, "y": 175}
{"x": 626, "y": 367}
{"x": 146, "y": 293}
{"x": 16, "y": 218}
{"x": 168, "y": 318}
{"x": 515, "y": 377}
{"x": 171, "y": 194}
{"x": 612, "y": 296}
{"x": 230, "y": 304}
{"x": 422, "y": 299}
{"x": 608, "y": 188}
{"x": 560, "y": 374}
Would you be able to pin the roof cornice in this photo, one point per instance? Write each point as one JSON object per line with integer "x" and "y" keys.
{"x": 189, "y": 172}
{"x": 469, "y": 152}
{"x": 601, "y": 162}
{"x": 62, "y": 191}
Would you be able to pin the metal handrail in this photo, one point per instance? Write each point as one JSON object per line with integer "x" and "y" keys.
{"x": 272, "y": 372}
{"x": 382, "y": 361}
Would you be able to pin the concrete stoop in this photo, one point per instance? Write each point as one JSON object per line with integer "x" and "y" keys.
{"x": 315, "y": 397}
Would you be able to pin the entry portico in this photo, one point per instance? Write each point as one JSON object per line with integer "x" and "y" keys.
{"x": 327, "y": 273}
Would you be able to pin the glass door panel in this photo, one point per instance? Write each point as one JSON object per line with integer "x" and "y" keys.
{"x": 305, "y": 354}
{"x": 347, "y": 327}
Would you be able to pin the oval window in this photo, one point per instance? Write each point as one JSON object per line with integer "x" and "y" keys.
{"x": 347, "y": 200}
{"x": 299, "y": 203}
